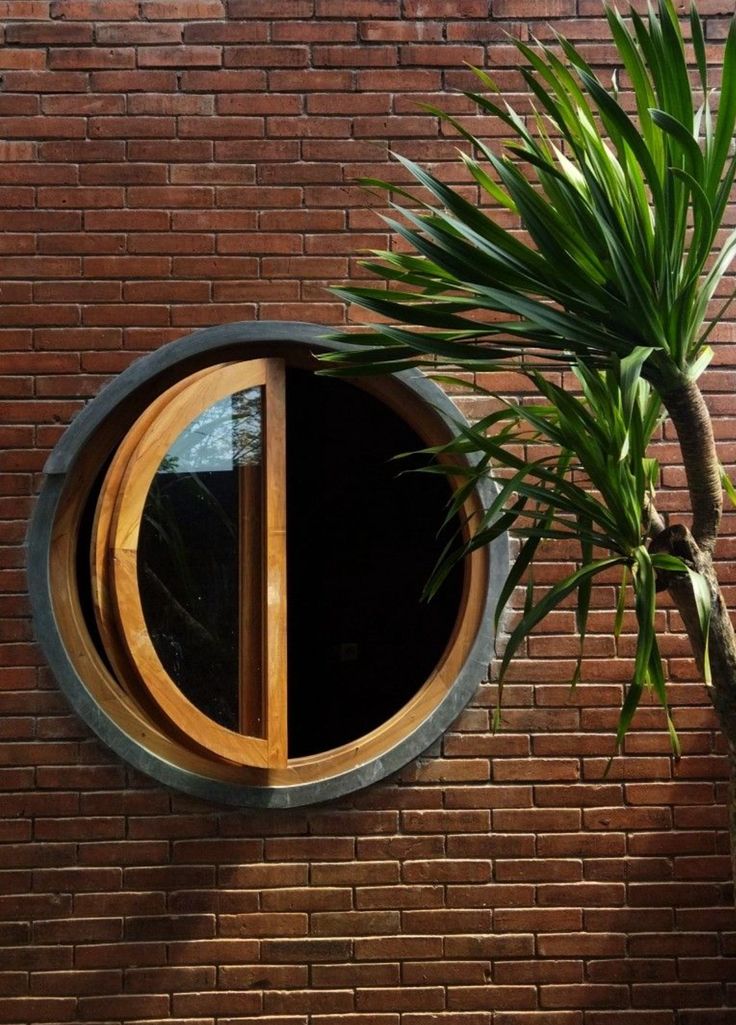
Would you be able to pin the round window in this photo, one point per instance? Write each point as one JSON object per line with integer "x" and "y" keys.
{"x": 227, "y": 562}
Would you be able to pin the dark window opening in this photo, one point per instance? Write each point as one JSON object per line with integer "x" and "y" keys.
{"x": 362, "y": 543}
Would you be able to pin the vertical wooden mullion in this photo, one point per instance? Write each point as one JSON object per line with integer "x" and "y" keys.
{"x": 251, "y": 559}
{"x": 275, "y": 563}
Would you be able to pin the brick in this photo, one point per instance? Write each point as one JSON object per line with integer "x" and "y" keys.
{"x": 126, "y": 220}
{"x": 134, "y": 81}
{"x": 581, "y": 944}
{"x": 126, "y": 266}
{"x": 48, "y": 33}
{"x": 702, "y": 994}
{"x": 206, "y": 127}
{"x": 223, "y": 81}
{"x": 132, "y": 127}
{"x": 383, "y": 947}
{"x": 168, "y": 166}
{"x": 358, "y": 8}
{"x": 352, "y": 56}
{"x": 80, "y": 197}
{"x": 45, "y": 82}
{"x": 180, "y": 56}
{"x": 45, "y": 128}
{"x": 75, "y": 983}
{"x": 269, "y": 9}
{"x": 210, "y": 951}
{"x": 355, "y": 873}
{"x": 584, "y": 996}
{"x": 440, "y": 822}
{"x": 190, "y": 10}
{"x": 263, "y": 924}
{"x": 217, "y": 32}
{"x": 399, "y": 897}
{"x": 172, "y": 150}
{"x": 310, "y": 80}
{"x": 446, "y": 871}
{"x": 83, "y": 245}
{"x": 93, "y": 1008}
{"x": 264, "y": 976}
{"x": 310, "y": 1000}
{"x": 137, "y": 33}
{"x": 94, "y": 10}
{"x": 179, "y": 978}
{"x": 87, "y": 58}
{"x": 545, "y": 9}
{"x": 42, "y": 1009}
{"x": 351, "y": 975}
{"x": 435, "y": 9}
{"x": 163, "y": 196}
{"x": 136, "y": 174}
{"x": 82, "y": 151}
{"x": 311, "y": 848}
{"x": 311, "y": 899}
{"x": 26, "y": 59}
{"x": 355, "y": 1019}
{"x": 418, "y": 973}
{"x": 582, "y": 894}
{"x": 266, "y": 56}
{"x": 398, "y": 999}
{"x": 498, "y": 997}
{"x": 675, "y": 894}
{"x": 443, "y": 55}
{"x": 310, "y": 950}
{"x": 649, "y": 1017}
{"x": 314, "y": 32}
{"x": 219, "y": 1003}
{"x": 449, "y": 1018}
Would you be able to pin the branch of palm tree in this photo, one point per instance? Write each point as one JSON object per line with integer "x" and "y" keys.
{"x": 613, "y": 282}
{"x": 621, "y": 227}
{"x": 593, "y": 485}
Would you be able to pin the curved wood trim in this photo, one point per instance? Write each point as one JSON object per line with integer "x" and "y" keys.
{"x": 274, "y": 572}
{"x": 134, "y": 719}
{"x": 100, "y": 555}
{"x": 176, "y": 413}
{"x": 127, "y": 711}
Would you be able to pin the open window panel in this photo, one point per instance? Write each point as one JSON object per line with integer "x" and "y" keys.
{"x": 189, "y": 562}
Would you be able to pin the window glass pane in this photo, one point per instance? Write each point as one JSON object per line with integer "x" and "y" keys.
{"x": 190, "y": 553}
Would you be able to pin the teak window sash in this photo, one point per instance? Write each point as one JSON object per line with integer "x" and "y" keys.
{"x": 262, "y": 575}
{"x": 100, "y": 555}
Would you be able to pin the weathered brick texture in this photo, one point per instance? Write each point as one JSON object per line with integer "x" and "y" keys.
{"x": 170, "y": 165}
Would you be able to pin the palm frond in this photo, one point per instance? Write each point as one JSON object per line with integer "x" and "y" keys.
{"x": 612, "y": 282}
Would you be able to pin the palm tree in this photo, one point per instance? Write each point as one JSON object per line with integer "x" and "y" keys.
{"x": 612, "y": 282}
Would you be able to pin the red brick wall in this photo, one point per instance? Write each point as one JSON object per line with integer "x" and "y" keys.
{"x": 168, "y": 164}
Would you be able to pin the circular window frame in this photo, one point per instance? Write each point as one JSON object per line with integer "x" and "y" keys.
{"x": 121, "y": 719}
{"x": 115, "y": 544}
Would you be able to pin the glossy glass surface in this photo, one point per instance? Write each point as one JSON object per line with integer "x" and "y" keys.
{"x": 190, "y": 552}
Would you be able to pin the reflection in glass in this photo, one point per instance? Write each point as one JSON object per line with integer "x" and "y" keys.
{"x": 193, "y": 552}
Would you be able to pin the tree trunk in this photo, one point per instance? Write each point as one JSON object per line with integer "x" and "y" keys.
{"x": 695, "y": 433}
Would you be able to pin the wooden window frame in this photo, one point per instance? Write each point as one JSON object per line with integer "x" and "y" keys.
{"x": 117, "y": 599}
{"x": 123, "y": 717}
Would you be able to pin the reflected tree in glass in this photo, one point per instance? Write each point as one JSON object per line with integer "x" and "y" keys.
{"x": 202, "y": 512}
